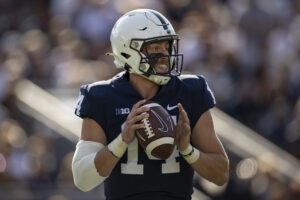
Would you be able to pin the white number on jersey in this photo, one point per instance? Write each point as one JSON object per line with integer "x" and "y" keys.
{"x": 79, "y": 102}
{"x": 132, "y": 166}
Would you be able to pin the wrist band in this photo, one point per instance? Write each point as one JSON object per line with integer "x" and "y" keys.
{"x": 187, "y": 150}
{"x": 190, "y": 154}
{"x": 117, "y": 147}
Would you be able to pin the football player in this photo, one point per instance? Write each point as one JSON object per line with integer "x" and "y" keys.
{"x": 145, "y": 44}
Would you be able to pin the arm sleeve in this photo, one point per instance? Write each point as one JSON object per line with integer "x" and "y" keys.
{"x": 85, "y": 174}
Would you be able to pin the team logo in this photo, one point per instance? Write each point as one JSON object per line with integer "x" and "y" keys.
{"x": 171, "y": 107}
{"x": 122, "y": 111}
{"x": 164, "y": 127}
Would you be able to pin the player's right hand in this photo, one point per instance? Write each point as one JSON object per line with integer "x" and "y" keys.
{"x": 133, "y": 121}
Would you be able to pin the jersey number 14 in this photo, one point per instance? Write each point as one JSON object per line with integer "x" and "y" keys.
{"x": 132, "y": 166}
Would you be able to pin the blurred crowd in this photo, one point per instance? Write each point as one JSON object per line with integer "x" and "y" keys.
{"x": 248, "y": 50}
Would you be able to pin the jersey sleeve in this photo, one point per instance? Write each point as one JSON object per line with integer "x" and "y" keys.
{"x": 90, "y": 106}
{"x": 203, "y": 99}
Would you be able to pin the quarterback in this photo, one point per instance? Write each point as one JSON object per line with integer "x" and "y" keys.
{"x": 145, "y": 45}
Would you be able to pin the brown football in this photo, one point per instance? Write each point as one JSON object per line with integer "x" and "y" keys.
{"x": 157, "y": 138}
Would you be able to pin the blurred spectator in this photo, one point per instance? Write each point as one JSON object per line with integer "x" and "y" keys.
{"x": 292, "y": 132}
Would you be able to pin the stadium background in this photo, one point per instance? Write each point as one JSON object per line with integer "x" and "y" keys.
{"x": 249, "y": 51}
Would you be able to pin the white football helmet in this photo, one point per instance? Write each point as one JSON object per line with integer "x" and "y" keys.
{"x": 136, "y": 28}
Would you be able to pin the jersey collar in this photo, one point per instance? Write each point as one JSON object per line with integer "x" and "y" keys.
{"x": 122, "y": 84}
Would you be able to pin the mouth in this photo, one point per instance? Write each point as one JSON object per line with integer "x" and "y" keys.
{"x": 162, "y": 68}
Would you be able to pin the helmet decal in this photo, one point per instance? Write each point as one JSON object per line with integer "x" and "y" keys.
{"x": 163, "y": 22}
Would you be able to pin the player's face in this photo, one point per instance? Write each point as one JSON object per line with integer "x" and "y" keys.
{"x": 162, "y": 48}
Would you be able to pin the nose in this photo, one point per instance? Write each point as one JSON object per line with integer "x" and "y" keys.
{"x": 165, "y": 51}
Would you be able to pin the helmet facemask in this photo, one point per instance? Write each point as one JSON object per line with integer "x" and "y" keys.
{"x": 148, "y": 61}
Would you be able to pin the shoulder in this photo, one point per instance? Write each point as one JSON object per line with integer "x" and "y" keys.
{"x": 193, "y": 82}
{"x": 96, "y": 89}
{"x": 100, "y": 88}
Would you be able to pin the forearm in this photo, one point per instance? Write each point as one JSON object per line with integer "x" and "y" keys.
{"x": 212, "y": 166}
{"x": 93, "y": 162}
{"x": 105, "y": 162}
{"x": 107, "y": 159}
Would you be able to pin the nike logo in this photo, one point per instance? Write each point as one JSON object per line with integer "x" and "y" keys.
{"x": 171, "y": 107}
{"x": 164, "y": 127}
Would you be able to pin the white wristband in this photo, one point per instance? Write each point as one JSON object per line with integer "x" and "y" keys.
{"x": 118, "y": 147}
{"x": 190, "y": 154}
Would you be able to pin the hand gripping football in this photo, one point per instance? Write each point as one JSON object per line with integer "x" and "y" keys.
{"x": 157, "y": 138}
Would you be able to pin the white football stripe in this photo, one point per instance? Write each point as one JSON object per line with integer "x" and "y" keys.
{"x": 139, "y": 135}
{"x": 160, "y": 141}
{"x": 151, "y": 105}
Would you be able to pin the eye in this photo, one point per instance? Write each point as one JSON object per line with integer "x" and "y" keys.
{"x": 156, "y": 49}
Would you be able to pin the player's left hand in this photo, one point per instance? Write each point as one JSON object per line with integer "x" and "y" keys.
{"x": 182, "y": 130}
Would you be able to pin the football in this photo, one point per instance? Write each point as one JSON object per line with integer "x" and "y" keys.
{"x": 157, "y": 138}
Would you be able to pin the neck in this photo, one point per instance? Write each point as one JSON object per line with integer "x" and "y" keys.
{"x": 145, "y": 87}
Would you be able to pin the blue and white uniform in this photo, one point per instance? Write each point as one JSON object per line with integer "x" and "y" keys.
{"x": 138, "y": 176}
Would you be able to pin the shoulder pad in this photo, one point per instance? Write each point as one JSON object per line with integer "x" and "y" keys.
{"x": 97, "y": 89}
{"x": 98, "y": 84}
{"x": 188, "y": 76}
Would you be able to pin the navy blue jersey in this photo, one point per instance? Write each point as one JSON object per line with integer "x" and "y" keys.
{"x": 138, "y": 175}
